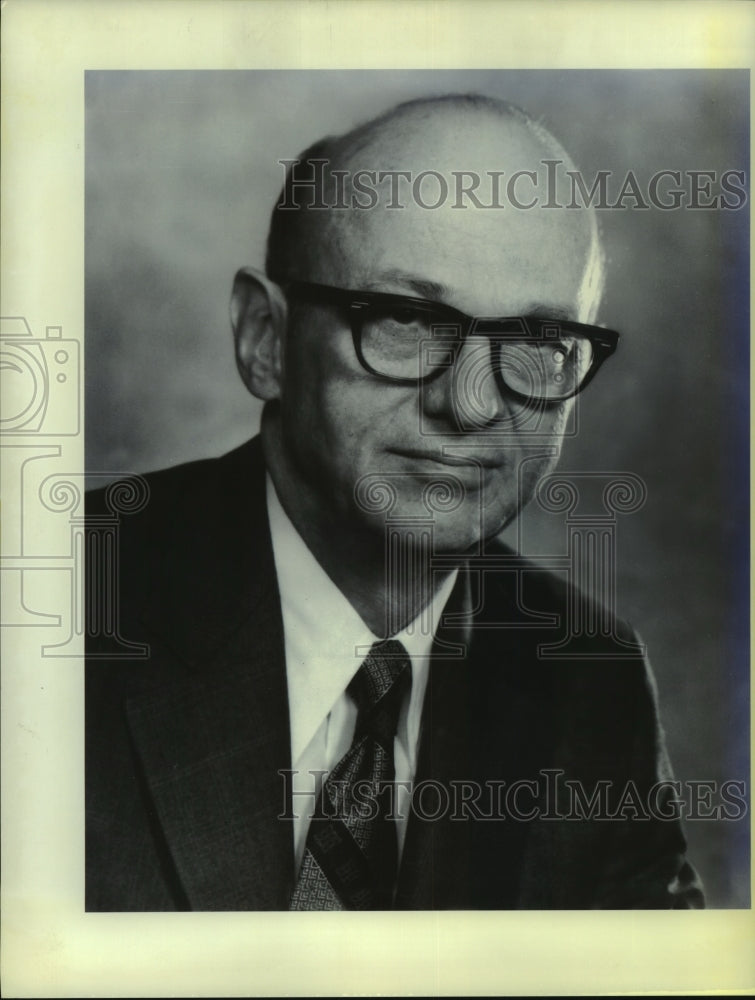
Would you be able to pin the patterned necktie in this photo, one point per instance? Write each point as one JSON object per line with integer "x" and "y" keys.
{"x": 351, "y": 856}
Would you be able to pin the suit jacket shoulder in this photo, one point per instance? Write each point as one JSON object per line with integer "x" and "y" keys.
{"x": 184, "y": 743}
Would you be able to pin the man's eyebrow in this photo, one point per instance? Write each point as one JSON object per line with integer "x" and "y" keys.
{"x": 427, "y": 289}
{"x": 549, "y": 312}
{"x": 423, "y": 287}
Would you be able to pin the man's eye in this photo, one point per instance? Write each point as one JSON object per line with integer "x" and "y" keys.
{"x": 557, "y": 351}
{"x": 404, "y": 316}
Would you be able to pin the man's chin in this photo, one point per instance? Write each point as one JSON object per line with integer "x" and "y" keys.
{"x": 458, "y": 531}
{"x": 454, "y": 541}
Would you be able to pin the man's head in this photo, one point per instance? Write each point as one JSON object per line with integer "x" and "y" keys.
{"x": 332, "y": 428}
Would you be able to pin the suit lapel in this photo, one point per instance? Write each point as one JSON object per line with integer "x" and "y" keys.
{"x": 435, "y": 856}
{"x": 212, "y": 736}
{"x": 211, "y": 731}
{"x": 486, "y": 719}
{"x": 211, "y": 754}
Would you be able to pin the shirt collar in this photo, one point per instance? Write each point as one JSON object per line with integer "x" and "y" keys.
{"x": 325, "y": 638}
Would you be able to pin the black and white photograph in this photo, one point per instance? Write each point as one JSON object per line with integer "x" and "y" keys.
{"x": 445, "y": 375}
{"x": 375, "y": 442}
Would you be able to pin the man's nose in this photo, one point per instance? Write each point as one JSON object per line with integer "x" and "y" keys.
{"x": 467, "y": 393}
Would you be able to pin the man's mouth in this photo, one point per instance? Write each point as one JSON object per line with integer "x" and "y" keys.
{"x": 449, "y": 460}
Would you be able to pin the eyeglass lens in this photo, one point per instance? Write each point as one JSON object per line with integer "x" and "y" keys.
{"x": 413, "y": 344}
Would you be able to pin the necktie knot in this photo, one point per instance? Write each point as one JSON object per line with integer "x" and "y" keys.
{"x": 378, "y": 687}
{"x": 351, "y": 858}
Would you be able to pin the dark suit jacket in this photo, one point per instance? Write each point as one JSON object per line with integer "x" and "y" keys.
{"x": 184, "y": 748}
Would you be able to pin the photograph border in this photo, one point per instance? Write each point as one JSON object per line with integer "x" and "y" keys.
{"x": 51, "y": 947}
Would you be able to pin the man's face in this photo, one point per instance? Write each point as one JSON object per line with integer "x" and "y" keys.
{"x": 342, "y": 428}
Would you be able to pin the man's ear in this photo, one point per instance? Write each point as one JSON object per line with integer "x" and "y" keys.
{"x": 258, "y": 319}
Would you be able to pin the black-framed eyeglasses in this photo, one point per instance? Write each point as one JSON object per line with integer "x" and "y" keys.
{"x": 409, "y": 341}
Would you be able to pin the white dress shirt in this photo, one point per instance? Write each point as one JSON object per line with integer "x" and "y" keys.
{"x": 326, "y": 642}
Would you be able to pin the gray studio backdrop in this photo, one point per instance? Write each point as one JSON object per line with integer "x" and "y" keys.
{"x": 182, "y": 173}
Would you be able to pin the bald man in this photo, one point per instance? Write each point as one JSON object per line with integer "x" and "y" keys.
{"x": 348, "y": 702}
